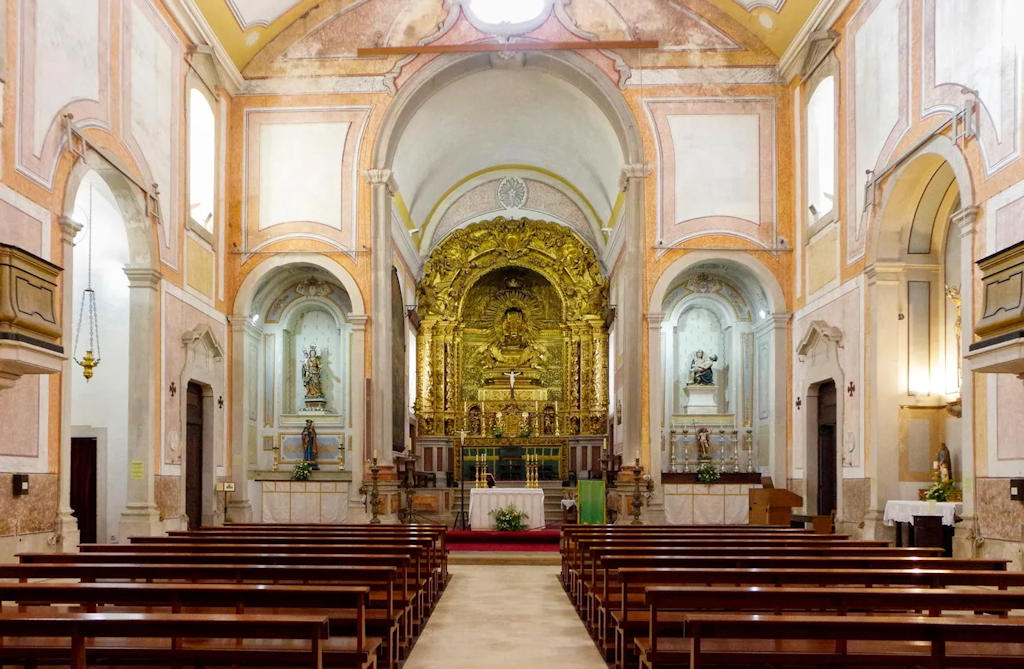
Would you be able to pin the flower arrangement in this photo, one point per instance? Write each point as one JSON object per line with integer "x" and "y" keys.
{"x": 509, "y": 519}
{"x": 707, "y": 473}
{"x": 302, "y": 471}
{"x": 940, "y": 490}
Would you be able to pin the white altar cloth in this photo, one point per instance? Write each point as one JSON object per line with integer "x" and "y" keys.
{"x": 484, "y": 500}
{"x": 904, "y": 510}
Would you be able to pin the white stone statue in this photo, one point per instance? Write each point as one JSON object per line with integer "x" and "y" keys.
{"x": 701, "y": 373}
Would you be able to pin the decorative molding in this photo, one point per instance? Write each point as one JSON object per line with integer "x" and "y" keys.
{"x": 819, "y": 330}
{"x": 822, "y": 17}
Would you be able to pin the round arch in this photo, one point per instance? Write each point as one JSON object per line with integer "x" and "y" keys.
{"x": 254, "y": 279}
{"x": 767, "y": 281}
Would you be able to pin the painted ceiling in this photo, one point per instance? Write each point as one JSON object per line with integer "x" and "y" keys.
{"x": 245, "y": 27}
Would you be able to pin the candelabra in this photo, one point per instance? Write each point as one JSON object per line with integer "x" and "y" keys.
{"x": 277, "y": 458}
{"x": 481, "y": 471}
{"x": 374, "y": 492}
{"x": 532, "y": 470}
{"x": 641, "y": 494}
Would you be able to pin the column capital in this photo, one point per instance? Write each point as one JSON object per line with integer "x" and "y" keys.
{"x": 243, "y": 323}
{"x": 654, "y": 319}
{"x": 964, "y": 219}
{"x": 68, "y": 228}
{"x": 382, "y": 176}
{"x": 143, "y": 277}
{"x": 358, "y": 321}
{"x": 632, "y": 172}
{"x": 883, "y": 273}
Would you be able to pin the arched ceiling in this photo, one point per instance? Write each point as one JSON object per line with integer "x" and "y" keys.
{"x": 244, "y": 27}
{"x": 512, "y": 117}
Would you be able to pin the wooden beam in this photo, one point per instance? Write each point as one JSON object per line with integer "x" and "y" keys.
{"x": 370, "y": 52}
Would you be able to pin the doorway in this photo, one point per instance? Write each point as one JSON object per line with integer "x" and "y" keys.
{"x": 827, "y": 451}
{"x": 194, "y": 455}
{"x": 83, "y": 486}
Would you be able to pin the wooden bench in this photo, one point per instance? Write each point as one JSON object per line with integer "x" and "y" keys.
{"x": 752, "y": 640}
{"x": 344, "y": 606}
{"x": 75, "y": 639}
{"x": 667, "y": 639}
{"x": 632, "y": 618}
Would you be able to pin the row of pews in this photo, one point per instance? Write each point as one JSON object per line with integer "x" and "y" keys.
{"x": 656, "y": 597}
{"x": 244, "y": 595}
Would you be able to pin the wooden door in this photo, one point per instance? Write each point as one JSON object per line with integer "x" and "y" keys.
{"x": 194, "y": 455}
{"x": 827, "y": 449}
{"x": 83, "y": 486}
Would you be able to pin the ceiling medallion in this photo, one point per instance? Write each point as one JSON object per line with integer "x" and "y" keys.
{"x": 512, "y": 192}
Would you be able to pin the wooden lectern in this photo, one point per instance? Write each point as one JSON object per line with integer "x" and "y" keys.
{"x": 772, "y": 506}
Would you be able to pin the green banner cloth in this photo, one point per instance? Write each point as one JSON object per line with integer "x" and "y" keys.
{"x": 590, "y": 502}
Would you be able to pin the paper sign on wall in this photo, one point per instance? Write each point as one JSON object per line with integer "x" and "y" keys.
{"x": 138, "y": 469}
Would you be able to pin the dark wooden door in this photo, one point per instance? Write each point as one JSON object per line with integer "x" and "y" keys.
{"x": 194, "y": 455}
{"x": 827, "y": 450}
{"x": 83, "y": 486}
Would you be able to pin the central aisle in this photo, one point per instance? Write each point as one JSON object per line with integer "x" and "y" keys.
{"x": 494, "y": 616}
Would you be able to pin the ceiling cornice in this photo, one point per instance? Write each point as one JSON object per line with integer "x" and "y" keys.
{"x": 192, "y": 21}
{"x": 825, "y": 13}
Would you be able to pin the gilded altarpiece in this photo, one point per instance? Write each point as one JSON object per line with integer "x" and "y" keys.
{"x": 512, "y": 341}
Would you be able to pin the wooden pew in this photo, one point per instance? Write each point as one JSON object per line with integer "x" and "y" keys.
{"x": 666, "y": 645}
{"x": 632, "y": 618}
{"x": 380, "y": 579}
{"x": 74, "y": 638}
{"x": 344, "y": 606}
{"x": 888, "y": 640}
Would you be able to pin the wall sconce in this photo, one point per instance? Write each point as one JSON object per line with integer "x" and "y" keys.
{"x": 851, "y": 388}
{"x": 799, "y": 403}
{"x": 220, "y": 402}
{"x": 173, "y": 388}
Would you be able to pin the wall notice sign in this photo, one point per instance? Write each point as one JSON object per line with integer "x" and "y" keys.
{"x": 138, "y": 469}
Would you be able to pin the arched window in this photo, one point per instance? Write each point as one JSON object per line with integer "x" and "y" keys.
{"x": 821, "y": 151}
{"x": 201, "y": 159}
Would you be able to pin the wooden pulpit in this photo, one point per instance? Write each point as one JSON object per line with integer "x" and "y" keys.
{"x": 772, "y": 506}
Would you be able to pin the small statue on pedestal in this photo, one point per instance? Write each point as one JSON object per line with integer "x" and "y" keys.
{"x": 701, "y": 373}
{"x": 703, "y": 443}
{"x": 309, "y": 445}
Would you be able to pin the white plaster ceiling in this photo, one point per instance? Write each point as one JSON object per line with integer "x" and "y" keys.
{"x": 262, "y": 13}
{"x": 507, "y": 116}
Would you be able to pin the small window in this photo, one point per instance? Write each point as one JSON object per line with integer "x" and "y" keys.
{"x": 201, "y": 159}
{"x": 821, "y": 150}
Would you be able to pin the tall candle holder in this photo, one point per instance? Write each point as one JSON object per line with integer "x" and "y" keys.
{"x": 277, "y": 458}
{"x": 640, "y": 497}
{"x": 374, "y": 492}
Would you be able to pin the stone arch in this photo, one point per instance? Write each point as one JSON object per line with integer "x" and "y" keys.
{"x": 254, "y": 279}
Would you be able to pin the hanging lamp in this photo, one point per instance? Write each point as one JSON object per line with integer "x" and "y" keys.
{"x": 87, "y": 310}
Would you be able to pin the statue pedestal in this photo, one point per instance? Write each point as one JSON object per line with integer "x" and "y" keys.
{"x": 701, "y": 399}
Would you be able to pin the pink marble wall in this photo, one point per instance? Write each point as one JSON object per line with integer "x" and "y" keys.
{"x": 168, "y": 496}
{"x": 856, "y": 497}
{"x": 19, "y": 416}
{"x": 999, "y": 516}
{"x": 34, "y": 512}
{"x": 20, "y": 229}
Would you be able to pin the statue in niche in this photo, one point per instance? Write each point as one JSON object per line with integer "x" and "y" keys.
{"x": 943, "y": 464}
{"x": 701, "y": 373}
{"x": 311, "y": 373}
{"x": 309, "y": 445}
{"x": 475, "y": 426}
{"x": 547, "y": 425}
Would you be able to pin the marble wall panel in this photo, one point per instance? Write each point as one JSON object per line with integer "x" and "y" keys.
{"x": 856, "y": 498}
{"x": 167, "y": 490}
{"x": 19, "y": 415}
{"x": 34, "y": 512}
{"x": 999, "y": 516}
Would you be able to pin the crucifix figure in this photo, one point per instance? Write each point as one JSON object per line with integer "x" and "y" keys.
{"x": 512, "y": 382}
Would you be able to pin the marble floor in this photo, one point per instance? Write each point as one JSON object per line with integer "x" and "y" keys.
{"x": 497, "y": 616}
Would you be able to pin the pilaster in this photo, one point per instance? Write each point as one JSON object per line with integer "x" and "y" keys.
{"x": 242, "y": 331}
{"x": 382, "y": 186}
{"x": 67, "y": 525}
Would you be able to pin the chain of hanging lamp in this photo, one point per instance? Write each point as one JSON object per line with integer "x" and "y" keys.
{"x": 87, "y": 311}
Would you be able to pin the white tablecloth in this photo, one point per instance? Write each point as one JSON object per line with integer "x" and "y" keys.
{"x": 904, "y": 510}
{"x": 484, "y": 500}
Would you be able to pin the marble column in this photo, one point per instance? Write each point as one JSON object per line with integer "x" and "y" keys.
{"x": 242, "y": 372}
{"x": 656, "y": 398}
{"x": 967, "y": 535}
{"x": 778, "y": 398}
{"x": 355, "y": 460}
{"x": 382, "y": 186}
{"x": 883, "y": 287}
{"x": 630, "y": 314}
{"x": 140, "y": 516}
{"x": 67, "y": 524}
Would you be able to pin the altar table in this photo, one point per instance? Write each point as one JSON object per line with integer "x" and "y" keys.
{"x": 484, "y": 500}
{"x": 904, "y": 510}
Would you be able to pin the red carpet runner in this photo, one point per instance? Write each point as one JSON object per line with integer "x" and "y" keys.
{"x": 485, "y": 540}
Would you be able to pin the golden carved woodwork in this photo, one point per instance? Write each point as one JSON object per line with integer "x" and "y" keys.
{"x": 512, "y": 296}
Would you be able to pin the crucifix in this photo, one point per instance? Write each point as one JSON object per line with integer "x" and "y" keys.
{"x": 512, "y": 382}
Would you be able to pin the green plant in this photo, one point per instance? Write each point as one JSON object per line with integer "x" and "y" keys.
{"x": 940, "y": 491}
{"x": 302, "y": 471}
{"x": 707, "y": 473}
{"x": 525, "y": 432}
{"x": 509, "y": 519}
{"x": 498, "y": 431}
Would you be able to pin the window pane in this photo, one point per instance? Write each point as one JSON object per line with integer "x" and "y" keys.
{"x": 202, "y": 159}
{"x": 821, "y": 148}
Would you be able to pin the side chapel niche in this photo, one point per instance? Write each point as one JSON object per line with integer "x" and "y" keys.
{"x": 513, "y": 338}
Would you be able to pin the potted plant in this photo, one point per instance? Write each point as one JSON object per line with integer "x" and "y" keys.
{"x": 302, "y": 471}
{"x": 707, "y": 473}
{"x": 509, "y": 519}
